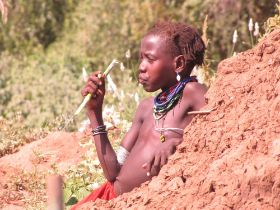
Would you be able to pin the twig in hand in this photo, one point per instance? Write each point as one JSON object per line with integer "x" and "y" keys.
{"x": 88, "y": 96}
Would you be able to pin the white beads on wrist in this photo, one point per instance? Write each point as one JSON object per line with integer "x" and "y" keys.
{"x": 101, "y": 129}
{"x": 122, "y": 154}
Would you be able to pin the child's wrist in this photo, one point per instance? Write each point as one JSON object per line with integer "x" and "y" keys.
{"x": 101, "y": 129}
{"x": 95, "y": 117}
{"x": 95, "y": 112}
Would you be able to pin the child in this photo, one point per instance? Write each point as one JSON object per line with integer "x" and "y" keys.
{"x": 168, "y": 53}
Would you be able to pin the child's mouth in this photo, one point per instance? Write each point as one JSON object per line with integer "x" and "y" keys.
{"x": 141, "y": 80}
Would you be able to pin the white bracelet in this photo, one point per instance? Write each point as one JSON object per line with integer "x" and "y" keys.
{"x": 122, "y": 154}
{"x": 101, "y": 129}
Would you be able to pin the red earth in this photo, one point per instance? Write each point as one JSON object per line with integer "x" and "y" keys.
{"x": 60, "y": 149}
{"x": 230, "y": 158}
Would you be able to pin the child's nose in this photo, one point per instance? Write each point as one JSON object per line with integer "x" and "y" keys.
{"x": 142, "y": 66}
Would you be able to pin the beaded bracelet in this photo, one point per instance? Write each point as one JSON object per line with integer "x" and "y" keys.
{"x": 97, "y": 133}
{"x": 99, "y": 130}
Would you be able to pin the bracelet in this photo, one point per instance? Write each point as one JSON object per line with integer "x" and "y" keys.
{"x": 98, "y": 133}
{"x": 101, "y": 129}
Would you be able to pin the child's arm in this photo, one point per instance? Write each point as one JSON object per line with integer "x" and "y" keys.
{"x": 195, "y": 92}
{"x": 105, "y": 152}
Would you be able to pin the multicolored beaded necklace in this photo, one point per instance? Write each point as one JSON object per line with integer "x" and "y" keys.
{"x": 166, "y": 100}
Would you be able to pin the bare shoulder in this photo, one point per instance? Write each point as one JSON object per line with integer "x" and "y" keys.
{"x": 146, "y": 102}
{"x": 145, "y": 106}
{"x": 194, "y": 92}
{"x": 194, "y": 87}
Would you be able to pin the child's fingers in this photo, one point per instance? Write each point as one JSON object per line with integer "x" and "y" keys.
{"x": 93, "y": 86}
{"x": 85, "y": 91}
{"x": 88, "y": 90}
{"x": 148, "y": 166}
{"x": 95, "y": 79}
{"x": 99, "y": 76}
{"x": 157, "y": 161}
{"x": 102, "y": 80}
{"x": 96, "y": 73}
{"x": 100, "y": 92}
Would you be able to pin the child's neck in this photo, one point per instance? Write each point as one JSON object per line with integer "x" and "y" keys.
{"x": 173, "y": 84}
{"x": 167, "y": 99}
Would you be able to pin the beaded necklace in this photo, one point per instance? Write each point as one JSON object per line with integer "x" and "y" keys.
{"x": 166, "y": 100}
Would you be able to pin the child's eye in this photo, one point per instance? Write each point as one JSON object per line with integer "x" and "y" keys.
{"x": 150, "y": 59}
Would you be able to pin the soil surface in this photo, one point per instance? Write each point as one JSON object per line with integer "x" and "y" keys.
{"x": 230, "y": 158}
{"x": 58, "y": 151}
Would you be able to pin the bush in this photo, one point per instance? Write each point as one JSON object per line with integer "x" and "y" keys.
{"x": 47, "y": 44}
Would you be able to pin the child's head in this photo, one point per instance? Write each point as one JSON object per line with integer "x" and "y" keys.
{"x": 166, "y": 50}
{"x": 181, "y": 39}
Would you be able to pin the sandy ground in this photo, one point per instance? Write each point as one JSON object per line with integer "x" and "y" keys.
{"x": 60, "y": 150}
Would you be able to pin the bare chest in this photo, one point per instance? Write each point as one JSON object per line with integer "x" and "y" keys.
{"x": 170, "y": 126}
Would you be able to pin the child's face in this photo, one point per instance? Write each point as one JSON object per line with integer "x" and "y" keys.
{"x": 157, "y": 65}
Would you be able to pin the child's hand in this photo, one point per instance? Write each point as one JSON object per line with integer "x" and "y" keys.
{"x": 96, "y": 87}
{"x": 159, "y": 158}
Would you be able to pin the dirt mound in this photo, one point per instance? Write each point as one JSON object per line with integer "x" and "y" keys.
{"x": 230, "y": 158}
{"x": 58, "y": 149}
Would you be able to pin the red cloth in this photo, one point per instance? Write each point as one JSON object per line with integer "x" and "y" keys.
{"x": 104, "y": 192}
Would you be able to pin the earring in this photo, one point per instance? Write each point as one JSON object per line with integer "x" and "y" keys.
{"x": 178, "y": 77}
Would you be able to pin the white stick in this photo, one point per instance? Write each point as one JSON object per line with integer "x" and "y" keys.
{"x": 85, "y": 75}
{"x": 54, "y": 192}
{"x": 201, "y": 112}
{"x": 88, "y": 96}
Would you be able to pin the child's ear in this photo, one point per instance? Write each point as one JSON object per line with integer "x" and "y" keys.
{"x": 180, "y": 63}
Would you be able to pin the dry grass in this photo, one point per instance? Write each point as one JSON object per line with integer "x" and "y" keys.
{"x": 14, "y": 133}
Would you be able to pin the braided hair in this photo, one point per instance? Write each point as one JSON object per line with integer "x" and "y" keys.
{"x": 181, "y": 39}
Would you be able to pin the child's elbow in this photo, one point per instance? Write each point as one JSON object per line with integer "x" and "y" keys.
{"x": 112, "y": 175}
{"x": 111, "y": 179}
